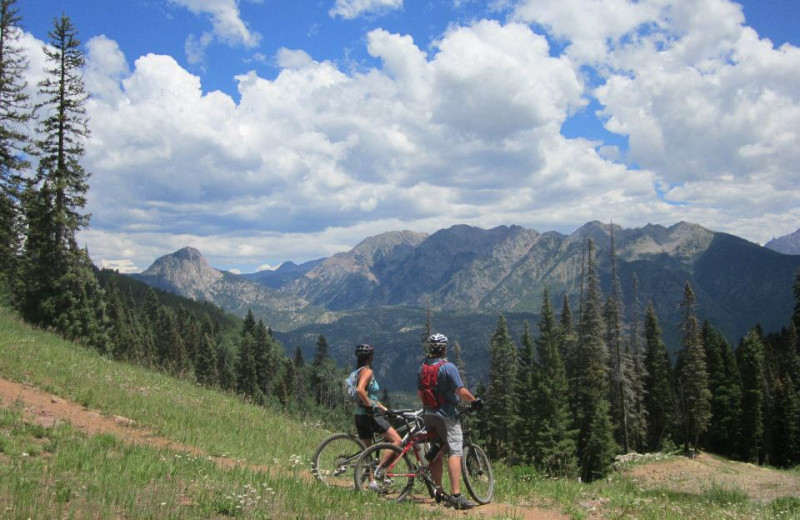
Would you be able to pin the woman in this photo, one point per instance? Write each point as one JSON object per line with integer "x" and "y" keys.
{"x": 369, "y": 415}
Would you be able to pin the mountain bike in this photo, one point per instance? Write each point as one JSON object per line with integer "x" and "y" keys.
{"x": 336, "y": 456}
{"x": 396, "y": 478}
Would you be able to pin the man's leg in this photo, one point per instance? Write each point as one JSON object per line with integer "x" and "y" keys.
{"x": 454, "y": 470}
{"x": 436, "y": 470}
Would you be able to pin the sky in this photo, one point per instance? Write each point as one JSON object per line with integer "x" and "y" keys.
{"x": 263, "y": 131}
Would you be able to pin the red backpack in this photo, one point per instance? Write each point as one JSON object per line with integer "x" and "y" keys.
{"x": 427, "y": 383}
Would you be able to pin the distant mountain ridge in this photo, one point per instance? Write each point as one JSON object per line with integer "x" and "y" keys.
{"x": 187, "y": 273}
{"x": 787, "y": 244}
{"x": 464, "y": 272}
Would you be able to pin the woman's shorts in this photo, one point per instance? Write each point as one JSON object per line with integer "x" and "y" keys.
{"x": 366, "y": 425}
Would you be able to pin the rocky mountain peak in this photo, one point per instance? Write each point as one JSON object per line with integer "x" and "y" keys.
{"x": 787, "y": 244}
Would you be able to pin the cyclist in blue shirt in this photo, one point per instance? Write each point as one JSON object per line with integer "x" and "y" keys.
{"x": 441, "y": 416}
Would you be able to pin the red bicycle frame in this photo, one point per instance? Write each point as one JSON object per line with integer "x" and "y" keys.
{"x": 413, "y": 443}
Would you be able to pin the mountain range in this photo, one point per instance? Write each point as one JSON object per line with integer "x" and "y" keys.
{"x": 788, "y": 245}
{"x": 379, "y": 291}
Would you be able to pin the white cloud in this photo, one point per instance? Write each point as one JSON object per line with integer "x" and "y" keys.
{"x": 350, "y": 9}
{"x": 226, "y": 20}
{"x": 709, "y": 107}
{"x": 227, "y": 27}
{"x": 468, "y": 130}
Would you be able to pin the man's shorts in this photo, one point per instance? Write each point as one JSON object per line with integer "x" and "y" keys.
{"x": 448, "y": 428}
{"x": 367, "y": 424}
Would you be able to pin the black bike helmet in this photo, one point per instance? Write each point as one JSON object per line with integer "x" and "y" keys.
{"x": 364, "y": 350}
{"x": 436, "y": 344}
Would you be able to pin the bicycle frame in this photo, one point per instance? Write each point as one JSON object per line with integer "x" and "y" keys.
{"x": 413, "y": 445}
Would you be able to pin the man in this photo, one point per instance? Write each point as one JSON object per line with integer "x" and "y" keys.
{"x": 439, "y": 387}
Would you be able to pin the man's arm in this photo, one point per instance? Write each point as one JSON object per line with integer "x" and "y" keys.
{"x": 465, "y": 394}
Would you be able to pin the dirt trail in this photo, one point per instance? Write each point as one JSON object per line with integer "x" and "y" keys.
{"x": 49, "y": 410}
{"x": 706, "y": 472}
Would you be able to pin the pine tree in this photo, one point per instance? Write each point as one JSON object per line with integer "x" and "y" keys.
{"x": 569, "y": 345}
{"x": 554, "y": 444}
{"x": 723, "y": 434}
{"x": 169, "y": 344}
{"x": 500, "y": 401}
{"x": 695, "y": 397}
{"x": 659, "y": 400}
{"x": 227, "y": 363}
{"x": 750, "y": 359}
{"x": 62, "y": 133}
{"x": 595, "y": 445}
{"x": 326, "y": 377}
{"x": 246, "y": 376}
{"x": 786, "y": 424}
{"x": 600, "y": 446}
{"x": 524, "y": 400}
{"x": 620, "y": 363}
{"x": 68, "y": 298}
{"x": 15, "y": 112}
{"x": 637, "y": 422}
{"x": 205, "y": 367}
{"x": 249, "y": 324}
{"x": 264, "y": 358}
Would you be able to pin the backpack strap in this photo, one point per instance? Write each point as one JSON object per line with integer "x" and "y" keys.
{"x": 439, "y": 397}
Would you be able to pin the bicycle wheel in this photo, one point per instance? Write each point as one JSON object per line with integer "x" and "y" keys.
{"x": 476, "y": 469}
{"x": 394, "y": 481}
{"x": 335, "y": 459}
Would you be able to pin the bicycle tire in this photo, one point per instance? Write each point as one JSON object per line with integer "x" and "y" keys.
{"x": 395, "y": 488}
{"x": 476, "y": 469}
{"x": 335, "y": 458}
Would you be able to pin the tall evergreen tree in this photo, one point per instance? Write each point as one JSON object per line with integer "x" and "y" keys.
{"x": 525, "y": 403}
{"x": 15, "y": 112}
{"x": 723, "y": 434}
{"x": 264, "y": 358}
{"x": 325, "y": 380}
{"x": 172, "y": 355}
{"x": 69, "y": 297}
{"x": 569, "y": 348}
{"x": 554, "y": 444}
{"x": 750, "y": 359}
{"x": 786, "y": 424}
{"x": 205, "y": 367}
{"x": 62, "y": 132}
{"x": 595, "y": 444}
{"x": 249, "y": 324}
{"x": 500, "y": 401}
{"x": 695, "y": 396}
{"x": 620, "y": 362}
{"x": 659, "y": 399}
{"x": 246, "y": 375}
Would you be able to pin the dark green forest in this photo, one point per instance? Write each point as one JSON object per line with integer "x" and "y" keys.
{"x": 576, "y": 389}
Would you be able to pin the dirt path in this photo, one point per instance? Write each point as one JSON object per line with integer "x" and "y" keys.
{"x": 49, "y": 410}
{"x": 706, "y": 472}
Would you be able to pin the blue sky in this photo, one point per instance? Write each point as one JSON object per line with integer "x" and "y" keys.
{"x": 260, "y": 131}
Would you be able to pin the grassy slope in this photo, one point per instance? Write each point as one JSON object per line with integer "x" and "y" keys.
{"x": 62, "y": 473}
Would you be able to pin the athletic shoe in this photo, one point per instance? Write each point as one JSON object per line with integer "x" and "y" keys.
{"x": 461, "y": 502}
{"x": 374, "y": 486}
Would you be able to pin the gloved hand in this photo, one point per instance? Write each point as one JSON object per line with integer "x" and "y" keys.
{"x": 390, "y": 413}
{"x": 477, "y": 404}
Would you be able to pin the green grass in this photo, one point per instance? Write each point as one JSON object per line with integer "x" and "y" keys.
{"x": 61, "y": 472}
